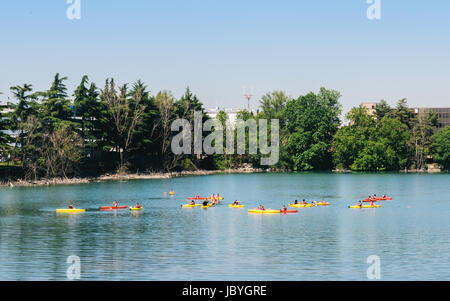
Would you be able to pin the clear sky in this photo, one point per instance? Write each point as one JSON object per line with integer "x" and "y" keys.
{"x": 218, "y": 46}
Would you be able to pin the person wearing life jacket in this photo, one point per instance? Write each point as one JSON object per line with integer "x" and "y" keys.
{"x": 114, "y": 204}
{"x": 372, "y": 204}
{"x": 192, "y": 202}
{"x": 284, "y": 209}
{"x": 236, "y": 202}
{"x": 304, "y": 202}
{"x": 205, "y": 203}
{"x": 70, "y": 204}
{"x": 171, "y": 191}
{"x": 296, "y": 202}
{"x": 198, "y": 196}
{"x": 360, "y": 204}
{"x": 313, "y": 203}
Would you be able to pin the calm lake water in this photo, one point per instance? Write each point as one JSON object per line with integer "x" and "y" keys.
{"x": 165, "y": 242}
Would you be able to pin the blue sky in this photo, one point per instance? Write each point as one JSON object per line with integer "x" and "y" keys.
{"x": 216, "y": 47}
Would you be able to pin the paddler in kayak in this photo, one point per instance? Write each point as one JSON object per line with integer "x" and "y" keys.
{"x": 192, "y": 202}
{"x": 70, "y": 204}
{"x": 296, "y": 202}
{"x": 236, "y": 202}
{"x": 205, "y": 203}
{"x": 114, "y": 205}
{"x": 304, "y": 202}
{"x": 360, "y": 203}
{"x": 138, "y": 205}
{"x": 284, "y": 209}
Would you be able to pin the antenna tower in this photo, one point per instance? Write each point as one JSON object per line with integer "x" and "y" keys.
{"x": 249, "y": 96}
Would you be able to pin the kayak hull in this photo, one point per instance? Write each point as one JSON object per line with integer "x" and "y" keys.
{"x": 267, "y": 211}
{"x": 191, "y": 206}
{"x": 289, "y": 211}
{"x": 113, "y": 208}
{"x": 70, "y": 210}
{"x": 300, "y": 205}
{"x": 236, "y": 206}
{"x": 364, "y": 206}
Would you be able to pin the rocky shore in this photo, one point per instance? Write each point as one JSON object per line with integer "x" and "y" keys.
{"x": 125, "y": 177}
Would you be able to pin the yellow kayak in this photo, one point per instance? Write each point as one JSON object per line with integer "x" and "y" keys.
{"x": 171, "y": 193}
{"x": 267, "y": 211}
{"x": 136, "y": 209}
{"x": 300, "y": 205}
{"x": 235, "y": 206}
{"x": 74, "y": 210}
{"x": 191, "y": 206}
{"x": 364, "y": 206}
{"x": 322, "y": 204}
{"x": 207, "y": 206}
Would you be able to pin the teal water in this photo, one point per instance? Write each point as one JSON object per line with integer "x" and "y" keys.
{"x": 165, "y": 242}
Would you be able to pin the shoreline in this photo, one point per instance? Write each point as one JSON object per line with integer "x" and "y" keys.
{"x": 126, "y": 177}
{"x": 161, "y": 175}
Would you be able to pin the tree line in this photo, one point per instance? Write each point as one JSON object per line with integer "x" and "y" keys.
{"x": 126, "y": 128}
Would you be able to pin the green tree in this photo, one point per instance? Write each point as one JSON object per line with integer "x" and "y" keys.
{"x": 124, "y": 112}
{"x": 25, "y": 107}
{"x": 422, "y": 132}
{"x": 56, "y": 107}
{"x": 88, "y": 107}
{"x": 440, "y": 149}
{"x": 312, "y": 120}
{"x": 382, "y": 109}
{"x": 4, "y": 137}
{"x": 273, "y": 105}
{"x": 145, "y": 136}
{"x": 165, "y": 103}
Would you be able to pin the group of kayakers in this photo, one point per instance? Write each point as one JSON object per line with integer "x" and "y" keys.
{"x": 213, "y": 200}
{"x": 313, "y": 203}
{"x": 374, "y": 197}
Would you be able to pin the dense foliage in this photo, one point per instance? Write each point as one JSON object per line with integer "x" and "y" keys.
{"x": 126, "y": 128}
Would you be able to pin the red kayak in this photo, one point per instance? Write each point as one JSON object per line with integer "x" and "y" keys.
{"x": 197, "y": 198}
{"x": 377, "y": 199}
{"x": 113, "y": 208}
{"x": 289, "y": 211}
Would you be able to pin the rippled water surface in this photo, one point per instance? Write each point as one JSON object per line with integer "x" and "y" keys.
{"x": 165, "y": 242}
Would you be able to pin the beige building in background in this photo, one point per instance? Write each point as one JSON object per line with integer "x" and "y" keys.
{"x": 370, "y": 107}
{"x": 443, "y": 113}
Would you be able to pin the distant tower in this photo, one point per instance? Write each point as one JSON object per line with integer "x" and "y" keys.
{"x": 248, "y": 95}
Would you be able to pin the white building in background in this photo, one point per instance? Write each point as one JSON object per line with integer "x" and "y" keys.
{"x": 232, "y": 114}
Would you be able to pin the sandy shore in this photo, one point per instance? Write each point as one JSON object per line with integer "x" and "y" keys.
{"x": 124, "y": 177}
